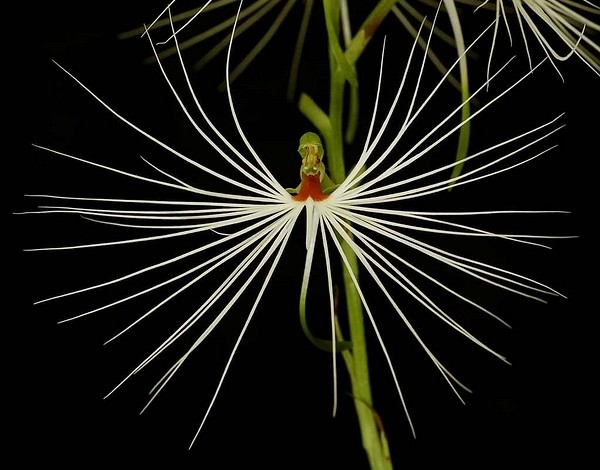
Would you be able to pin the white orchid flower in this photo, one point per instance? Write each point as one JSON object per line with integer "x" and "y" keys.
{"x": 250, "y": 222}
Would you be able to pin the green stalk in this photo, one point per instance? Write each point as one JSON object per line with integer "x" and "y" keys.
{"x": 359, "y": 372}
{"x": 330, "y": 126}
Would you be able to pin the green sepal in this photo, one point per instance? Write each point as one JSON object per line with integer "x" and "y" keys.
{"x": 329, "y": 189}
{"x": 327, "y": 184}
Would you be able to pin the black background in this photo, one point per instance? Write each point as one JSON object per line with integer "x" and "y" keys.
{"x": 274, "y": 410}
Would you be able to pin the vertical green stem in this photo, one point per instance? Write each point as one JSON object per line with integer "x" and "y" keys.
{"x": 331, "y": 128}
{"x": 361, "y": 386}
{"x": 374, "y": 447}
{"x": 333, "y": 139}
{"x": 359, "y": 372}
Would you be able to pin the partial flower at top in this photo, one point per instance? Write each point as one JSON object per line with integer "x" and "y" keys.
{"x": 250, "y": 220}
{"x": 562, "y": 28}
{"x": 410, "y": 15}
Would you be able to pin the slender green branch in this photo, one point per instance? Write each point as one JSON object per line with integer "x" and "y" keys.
{"x": 465, "y": 130}
{"x": 367, "y": 29}
{"x": 353, "y": 52}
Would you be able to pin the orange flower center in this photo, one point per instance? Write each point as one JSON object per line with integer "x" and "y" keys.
{"x": 310, "y": 187}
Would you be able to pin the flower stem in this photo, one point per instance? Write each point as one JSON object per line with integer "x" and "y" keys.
{"x": 373, "y": 438}
{"x": 342, "y": 71}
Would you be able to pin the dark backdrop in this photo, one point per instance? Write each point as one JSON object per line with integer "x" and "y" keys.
{"x": 274, "y": 410}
